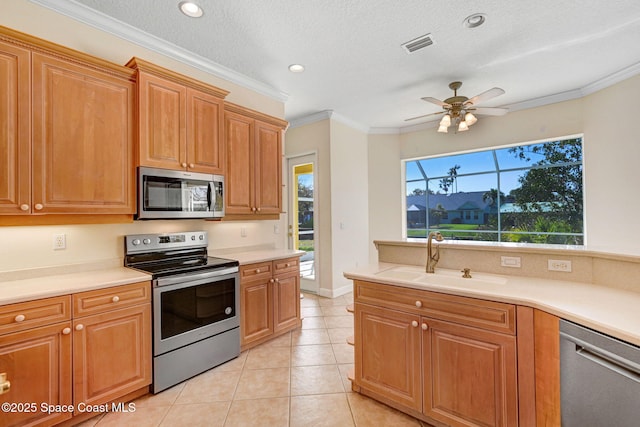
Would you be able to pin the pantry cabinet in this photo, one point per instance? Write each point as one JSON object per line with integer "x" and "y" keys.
{"x": 254, "y": 163}
{"x": 439, "y": 357}
{"x": 181, "y": 121}
{"x": 88, "y": 348}
{"x": 69, "y": 121}
{"x": 269, "y": 300}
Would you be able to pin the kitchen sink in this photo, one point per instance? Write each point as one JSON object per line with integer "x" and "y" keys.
{"x": 442, "y": 276}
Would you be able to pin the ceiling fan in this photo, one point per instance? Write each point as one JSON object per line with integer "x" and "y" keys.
{"x": 458, "y": 110}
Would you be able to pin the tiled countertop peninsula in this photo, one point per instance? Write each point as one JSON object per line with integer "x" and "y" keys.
{"x": 589, "y": 299}
{"x": 253, "y": 255}
{"x": 26, "y": 285}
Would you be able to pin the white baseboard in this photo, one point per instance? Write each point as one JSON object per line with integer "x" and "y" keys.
{"x": 333, "y": 293}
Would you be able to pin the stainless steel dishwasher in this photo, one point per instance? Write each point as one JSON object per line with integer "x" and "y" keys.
{"x": 599, "y": 379}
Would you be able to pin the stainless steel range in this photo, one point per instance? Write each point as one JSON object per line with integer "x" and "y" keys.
{"x": 196, "y": 306}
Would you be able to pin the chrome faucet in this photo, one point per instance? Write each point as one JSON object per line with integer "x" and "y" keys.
{"x": 433, "y": 253}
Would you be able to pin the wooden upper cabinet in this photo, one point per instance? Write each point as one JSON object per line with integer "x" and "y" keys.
{"x": 180, "y": 121}
{"x": 15, "y": 137}
{"x": 254, "y": 162}
{"x": 82, "y": 139}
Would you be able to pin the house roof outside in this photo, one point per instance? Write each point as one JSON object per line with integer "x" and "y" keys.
{"x": 451, "y": 202}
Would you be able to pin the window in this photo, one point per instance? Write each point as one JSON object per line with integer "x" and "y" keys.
{"x": 526, "y": 193}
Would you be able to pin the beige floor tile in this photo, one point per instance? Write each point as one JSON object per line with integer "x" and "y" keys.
{"x": 331, "y": 301}
{"x": 211, "y": 386}
{"x": 344, "y": 375}
{"x": 315, "y": 380}
{"x": 343, "y": 353}
{"x": 268, "y": 357}
{"x": 259, "y": 412}
{"x": 167, "y": 397}
{"x": 283, "y": 340}
{"x": 339, "y": 335}
{"x": 310, "y": 336}
{"x": 328, "y": 410}
{"x": 91, "y": 422}
{"x": 334, "y": 310}
{"x": 309, "y": 296}
{"x": 147, "y": 416}
{"x": 369, "y": 413}
{"x": 233, "y": 365}
{"x": 339, "y": 321}
{"x": 310, "y": 312}
{"x": 197, "y": 415}
{"x": 308, "y": 302}
{"x": 313, "y": 323}
{"x": 348, "y": 297}
{"x": 309, "y": 355}
{"x": 263, "y": 383}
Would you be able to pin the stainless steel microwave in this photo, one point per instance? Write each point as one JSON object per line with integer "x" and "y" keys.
{"x": 170, "y": 194}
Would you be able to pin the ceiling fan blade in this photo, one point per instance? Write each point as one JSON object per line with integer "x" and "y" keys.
{"x": 435, "y": 101}
{"x": 490, "y": 111}
{"x": 425, "y": 115}
{"x": 485, "y": 96}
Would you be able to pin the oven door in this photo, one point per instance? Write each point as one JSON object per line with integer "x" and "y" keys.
{"x": 195, "y": 307}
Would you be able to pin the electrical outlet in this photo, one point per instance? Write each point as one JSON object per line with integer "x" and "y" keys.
{"x": 559, "y": 265}
{"x": 243, "y": 231}
{"x": 59, "y": 242}
{"x": 510, "y": 261}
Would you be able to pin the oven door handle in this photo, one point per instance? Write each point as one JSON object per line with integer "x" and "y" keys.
{"x": 191, "y": 277}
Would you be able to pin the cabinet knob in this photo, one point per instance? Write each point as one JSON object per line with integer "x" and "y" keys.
{"x": 287, "y": 265}
{"x": 271, "y": 280}
{"x": 191, "y": 165}
{"x": 5, "y": 385}
{"x": 253, "y": 209}
{"x": 418, "y": 304}
{"x": 19, "y": 318}
{"x": 258, "y": 209}
{"x": 38, "y": 207}
{"x": 257, "y": 270}
{"x": 414, "y": 323}
{"x": 425, "y": 326}
{"x": 79, "y": 327}
{"x": 184, "y": 165}
{"x": 277, "y": 280}
{"x": 66, "y": 331}
{"x": 115, "y": 299}
{"x": 24, "y": 207}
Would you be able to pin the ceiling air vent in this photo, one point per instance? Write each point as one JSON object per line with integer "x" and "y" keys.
{"x": 419, "y": 43}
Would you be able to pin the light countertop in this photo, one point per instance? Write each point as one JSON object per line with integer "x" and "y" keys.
{"x": 12, "y": 291}
{"x": 256, "y": 255}
{"x": 615, "y": 312}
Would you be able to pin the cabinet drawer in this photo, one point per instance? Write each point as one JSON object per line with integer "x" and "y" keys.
{"x": 490, "y": 315}
{"x": 26, "y": 315}
{"x": 112, "y": 298}
{"x": 258, "y": 271}
{"x": 286, "y": 265}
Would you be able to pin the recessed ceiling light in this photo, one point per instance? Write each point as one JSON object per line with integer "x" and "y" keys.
{"x": 474, "y": 20}
{"x": 296, "y": 68}
{"x": 191, "y": 9}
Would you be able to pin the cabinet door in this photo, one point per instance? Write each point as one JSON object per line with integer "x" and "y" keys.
{"x": 38, "y": 365}
{"x": 240, "y": 164}
{"x": 390, "y": 365}
{"x": 163, "y": 136}
{"x": 286, "y": 299}
{"x": 205, "y": 139}
{"x": 268, "y": 159}
{"x": 256, "y": 311}
{"x": 111, "y": 354}
{"x": 469, "y": 375}
{"x": 15, "y": 136}
{"x": 82, "y": 139}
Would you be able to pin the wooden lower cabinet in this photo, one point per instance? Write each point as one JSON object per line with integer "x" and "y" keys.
{"x": 269, "y": 300}
{"x": 442, "y": 371}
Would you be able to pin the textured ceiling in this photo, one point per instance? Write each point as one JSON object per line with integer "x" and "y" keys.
{"x": 356, "y": 67}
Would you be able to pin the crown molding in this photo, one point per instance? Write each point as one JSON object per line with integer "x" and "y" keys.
{"x": 611, "y": 79}
{"x": 310, "y": 118}
{"x": 93, "y": 18}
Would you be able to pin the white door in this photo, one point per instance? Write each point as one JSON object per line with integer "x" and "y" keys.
{"x": 303, "y": 217}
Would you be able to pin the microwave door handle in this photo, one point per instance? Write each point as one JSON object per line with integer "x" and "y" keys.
{"x": 209, "y": 196}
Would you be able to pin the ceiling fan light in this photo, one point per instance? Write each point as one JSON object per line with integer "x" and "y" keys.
{"x": 463, "y": 126}
{"x": 470, "y": 119}
{"x": 443, "y": 129}
{"x": 446, "y": 120}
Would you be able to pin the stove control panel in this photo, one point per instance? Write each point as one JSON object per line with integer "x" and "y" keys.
{"x": 137, "y": 243}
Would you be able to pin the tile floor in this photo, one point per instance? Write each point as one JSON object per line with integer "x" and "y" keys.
{"x": 298, "y": 379}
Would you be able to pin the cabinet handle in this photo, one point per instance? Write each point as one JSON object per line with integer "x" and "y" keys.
{"x": 257, "y": 270}
{"x": 66, "y": 331}
{"x": 4, "y": 384}
{"x": 425, "y": 326}
{"x": 258, "y": 209}
{"x": 19, "y": 318}
{"x": 38, "y": 207}
{"x": 184, "y": 165}
{"x": 271, "y": 280}
{"x": 24, "y": 207}
{"x": 115, "y": 299}
{"x": 253, "y": 209}
{"x": 277, "y": 280}
{"x": 414, "y": 323}
{"x": 191, "y": 165}
{"x": 418, "y": 304}
{"x": 287, "y": 265}
{"x": 79, "y": 327}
